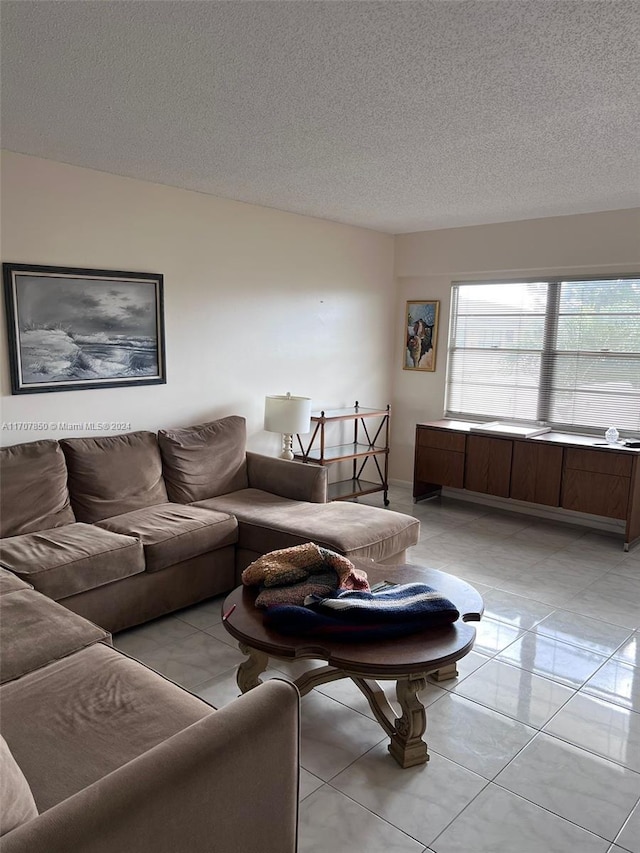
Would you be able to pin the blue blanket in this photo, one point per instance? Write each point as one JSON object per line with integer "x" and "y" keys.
{"x": 362, "y": 616}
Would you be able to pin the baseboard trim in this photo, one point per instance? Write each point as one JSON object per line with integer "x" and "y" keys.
{"x": 550, "y": 513}
{"x": 407, "y": 484}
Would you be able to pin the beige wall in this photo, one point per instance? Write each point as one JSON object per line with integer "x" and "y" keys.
{"x": 256, "y": 301}
{"x": 427, "y": 262}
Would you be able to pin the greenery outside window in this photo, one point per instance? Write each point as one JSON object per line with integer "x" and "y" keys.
{"x": 559, "y": 352}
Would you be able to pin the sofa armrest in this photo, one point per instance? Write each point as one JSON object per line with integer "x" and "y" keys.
{"x": 296, "y": 480}
{"x": 226, "y": 783}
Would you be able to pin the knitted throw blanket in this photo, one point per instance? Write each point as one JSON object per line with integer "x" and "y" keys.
{"x": 408, "y": 601}
{"x": 289, "y": 575}
{"x": 363, "y": 616}
{"x": 320, "y": 584}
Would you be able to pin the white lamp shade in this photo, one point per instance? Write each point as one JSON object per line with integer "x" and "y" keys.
{"x": 287, "y": 414}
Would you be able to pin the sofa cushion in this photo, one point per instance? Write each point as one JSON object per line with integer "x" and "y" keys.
{"x": 33, "y": 488}
{"x": 89, "y": 714}
{"x": 205, "y": 460}
{"x": 113, "y": 474}
{"x": 267, "y": 522}
{"x": 171, "y": 533}
{"x": 34, "y": 631}
{"x": 10, "y": 582}
{"x": 18, "y": 805}
{"x": 67, "y": 560}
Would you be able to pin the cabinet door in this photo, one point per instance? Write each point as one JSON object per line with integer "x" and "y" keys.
{"x": 488, "y": 465}
{"x": 536, "y": 472}
{"x": 633, "y": 516}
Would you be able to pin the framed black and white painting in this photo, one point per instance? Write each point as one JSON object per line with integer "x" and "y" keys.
{"x": 71, "y": 329}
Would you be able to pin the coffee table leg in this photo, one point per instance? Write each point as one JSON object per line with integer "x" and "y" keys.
{"x": 445, "y": 672}
{"x": 407, "y": 746}
{"x": 248, "y": 675}
{"x": 378, "y": 702}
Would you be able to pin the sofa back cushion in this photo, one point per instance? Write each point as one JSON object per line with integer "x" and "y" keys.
{"x": 206, "y": 460}
{"x": 33, "y": 488}
{"x": 18, "y": 805}
{"x": 113, "y": 474}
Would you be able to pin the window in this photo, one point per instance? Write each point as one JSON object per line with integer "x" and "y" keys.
{"x": 560, "y": 352}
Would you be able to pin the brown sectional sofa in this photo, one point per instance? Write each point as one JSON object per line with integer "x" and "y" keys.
{"x": 99, "y": 754}
{"x": 121, "y": 529}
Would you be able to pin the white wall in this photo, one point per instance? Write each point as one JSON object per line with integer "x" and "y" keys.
{"x": 427, "y": 262}
{"x": 257, "y": 301}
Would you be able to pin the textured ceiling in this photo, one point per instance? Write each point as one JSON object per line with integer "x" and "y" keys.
{"x": 398, "y": 116}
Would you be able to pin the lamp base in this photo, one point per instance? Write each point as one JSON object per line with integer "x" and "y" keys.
{"x": 287, "y": 446}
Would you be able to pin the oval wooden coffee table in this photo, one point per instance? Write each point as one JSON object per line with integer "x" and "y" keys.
{"x": 405, "y": 660}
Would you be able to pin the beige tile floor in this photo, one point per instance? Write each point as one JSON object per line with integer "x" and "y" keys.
{"x": 535, "y": 747}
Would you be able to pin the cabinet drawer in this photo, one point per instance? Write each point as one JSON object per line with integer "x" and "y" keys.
{"x": 440, "y": 439}
{"x": 440, "y": 467}
{"x": 598, "y": 494}
{"x": 598, "y": 461}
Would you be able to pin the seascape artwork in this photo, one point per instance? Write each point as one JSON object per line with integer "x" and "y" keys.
{"x": 74, "y": 331}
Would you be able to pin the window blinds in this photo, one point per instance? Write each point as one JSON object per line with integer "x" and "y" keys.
{"x": 562, "y": 352}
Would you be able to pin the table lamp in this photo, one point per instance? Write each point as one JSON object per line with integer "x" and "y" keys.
{"x": 287, "y": 415}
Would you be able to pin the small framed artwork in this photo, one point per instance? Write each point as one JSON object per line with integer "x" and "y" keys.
{"x": 72, "y": 329}
{"x": 421, "y": 335}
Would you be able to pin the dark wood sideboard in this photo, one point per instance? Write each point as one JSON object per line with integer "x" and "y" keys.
{"x": 553, "y": 469}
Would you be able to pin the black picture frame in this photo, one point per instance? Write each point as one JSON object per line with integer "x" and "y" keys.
{"x": 71, "y": 328}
